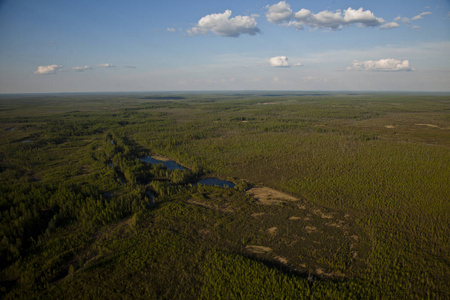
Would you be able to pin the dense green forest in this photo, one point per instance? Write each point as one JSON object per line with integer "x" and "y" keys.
{"x": 82, "y": 216}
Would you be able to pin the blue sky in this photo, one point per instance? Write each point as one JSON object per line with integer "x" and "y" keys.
{"x": 173, "y": 45}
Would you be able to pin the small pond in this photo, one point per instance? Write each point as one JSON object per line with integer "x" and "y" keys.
{"x": 169, "y": 164}
{"x": 216, "y": 182}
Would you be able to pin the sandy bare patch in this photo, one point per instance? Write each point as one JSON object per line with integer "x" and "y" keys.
{"x": 257, "y": 214}
{"x": 389, "y": 126}
{"x": 331, "y": 224}
{"x": 268, "y": 103}
{"x": 258, "y": 249}
{"x": 322, "y": 215}
{"x": 307, "y": 219}
{"x": 310, "y": 229}
{"x": 272, "y": 230}
{"x": 268, "y": 196}
{"x": 245, "y": 121}
{"x": 294, "y": 218}
{"x": 319, "y": 271}
{"x": 429, "y": 125}
{"x": 281, "y": 259}
{"x": 301, "y": 206}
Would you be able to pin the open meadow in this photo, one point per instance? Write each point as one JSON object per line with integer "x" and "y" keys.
{"x": 336, "y": 195}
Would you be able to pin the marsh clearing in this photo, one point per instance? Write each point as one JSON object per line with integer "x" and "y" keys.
{"x": 268, "y": 196}
{"x": 276, "y": 229}
{"x": 428, "y": 125}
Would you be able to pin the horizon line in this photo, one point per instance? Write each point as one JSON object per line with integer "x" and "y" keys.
{"x": 227, "y": 92}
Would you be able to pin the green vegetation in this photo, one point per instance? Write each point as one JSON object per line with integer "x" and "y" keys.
{"x": 83, "y": 216}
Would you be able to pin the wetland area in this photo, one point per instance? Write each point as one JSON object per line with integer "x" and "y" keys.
{"x": 200, "y": 196}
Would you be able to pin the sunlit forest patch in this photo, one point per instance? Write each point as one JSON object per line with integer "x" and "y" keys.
{"x": 332, "y": 196}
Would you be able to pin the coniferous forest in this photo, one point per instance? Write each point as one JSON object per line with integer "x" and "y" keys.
{"x": 356, "y": 204}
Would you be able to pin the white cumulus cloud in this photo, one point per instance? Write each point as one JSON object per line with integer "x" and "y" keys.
{"x": 420, "y": 16}
{"x": 279, "y": 62}
{"x": 382, "y": 65}
{"x": 221, "y": 24}
{"x": 407, "y": 21}
{"x": 281, "y": 13}
{"x": 50, "y": 69}
{"x": 389, "y": 25}
{"x": 171, "y": 29}
{"x": 404, "y": 20}
{"x": 361, "y": 17}
{"x": 106, "y": 65}
{"x": 82, "y": 69}
{"x": 323, "y": 19}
